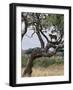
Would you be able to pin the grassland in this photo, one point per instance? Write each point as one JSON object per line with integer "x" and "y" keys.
{"x": 44, "y": 66}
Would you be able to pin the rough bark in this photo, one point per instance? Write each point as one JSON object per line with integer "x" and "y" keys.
{"x": 40, "y": 39}
{"x": 44, "y": 36}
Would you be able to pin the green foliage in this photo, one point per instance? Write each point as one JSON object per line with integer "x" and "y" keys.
{"x": 54, "y": 19}
{"x": 43, "y": 61}
{"x": 24, "y": 60}
{"x": 45, "y": 19}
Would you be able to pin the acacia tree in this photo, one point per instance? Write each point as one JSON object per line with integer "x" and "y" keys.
{"x": 42, "y": 21}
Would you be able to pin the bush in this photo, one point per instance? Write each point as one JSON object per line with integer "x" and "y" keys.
{"x": 43, "y": 61}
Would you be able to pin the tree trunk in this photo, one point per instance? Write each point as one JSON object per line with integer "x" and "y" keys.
{"x": 35, "y": 54}
{"x": 25, "y": 30}
{"x": 24, "y": 19}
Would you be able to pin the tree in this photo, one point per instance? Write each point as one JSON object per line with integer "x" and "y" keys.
{"x": 40, "y": 21}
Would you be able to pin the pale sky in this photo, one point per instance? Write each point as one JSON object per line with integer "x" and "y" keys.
{"x": 31, "y": 42}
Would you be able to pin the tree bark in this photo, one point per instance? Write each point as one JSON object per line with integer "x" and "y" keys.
{"x": 40, "y": 39}
{"x": 25, "y": 30}
{"x": 45, "y": 36}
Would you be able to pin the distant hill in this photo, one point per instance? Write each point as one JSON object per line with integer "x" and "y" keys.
{"x": 29, "y": 51}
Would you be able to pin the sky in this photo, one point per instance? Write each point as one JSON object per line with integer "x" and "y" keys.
{"x": 31, "y": 42}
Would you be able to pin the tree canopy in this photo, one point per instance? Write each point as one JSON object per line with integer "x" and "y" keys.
{"x": 41, "y": 22}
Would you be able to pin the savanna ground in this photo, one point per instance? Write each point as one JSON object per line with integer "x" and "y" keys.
{"x": 44, "y": 66}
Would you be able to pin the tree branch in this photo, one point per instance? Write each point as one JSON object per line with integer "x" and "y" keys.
{"x": 45, "y": 36}
{"x": 40, "y": 39}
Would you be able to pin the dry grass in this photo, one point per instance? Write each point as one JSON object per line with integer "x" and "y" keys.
{"x": 53, "y": 70}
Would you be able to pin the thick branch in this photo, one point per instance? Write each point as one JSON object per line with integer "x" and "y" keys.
{"x": 40, "y": 39}
{"x": 45, "y": 36}
{"x": 35, "y": 54}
